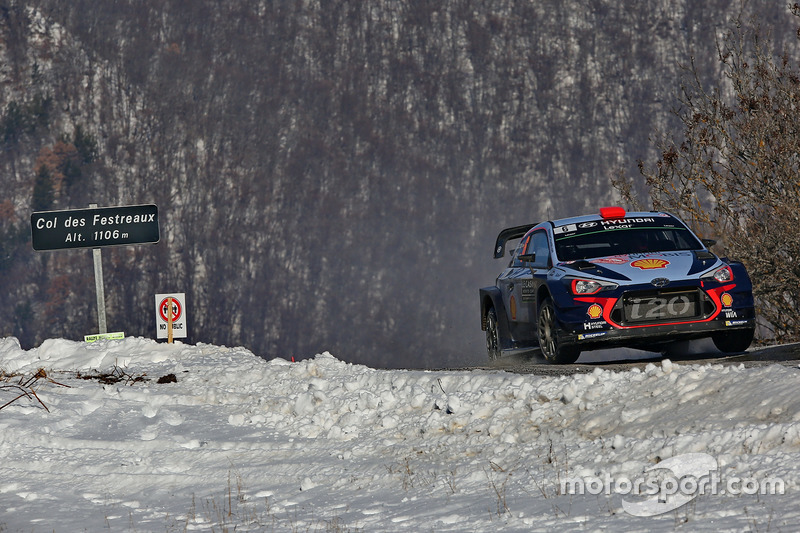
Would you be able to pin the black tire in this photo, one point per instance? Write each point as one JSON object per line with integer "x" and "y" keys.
{"x": 547, "y": 330}
{"x": 734, "y": 341}
{"x": 492, "y": 336}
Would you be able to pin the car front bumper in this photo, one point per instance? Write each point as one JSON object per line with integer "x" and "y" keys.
{"x": 647, "y": 337}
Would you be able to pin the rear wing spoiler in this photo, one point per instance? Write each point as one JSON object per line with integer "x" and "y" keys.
{"x": 506, "y": 235}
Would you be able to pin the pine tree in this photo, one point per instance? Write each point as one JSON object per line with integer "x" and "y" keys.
{"x": 43, "y": 197}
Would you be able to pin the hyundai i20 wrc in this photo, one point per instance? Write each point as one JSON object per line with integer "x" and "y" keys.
{"x": 641, "y": 280}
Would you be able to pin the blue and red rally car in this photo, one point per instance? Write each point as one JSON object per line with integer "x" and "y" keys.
{"x": 642, "y": 280}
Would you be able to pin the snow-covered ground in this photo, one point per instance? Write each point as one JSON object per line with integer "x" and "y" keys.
{"x": 237, "y": 442}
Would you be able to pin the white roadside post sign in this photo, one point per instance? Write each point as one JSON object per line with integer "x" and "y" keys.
{"x": 171, "y": 316}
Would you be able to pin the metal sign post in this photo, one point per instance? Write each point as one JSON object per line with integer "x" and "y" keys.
{"x": 100, "y": 289}
{"x": 97, "y": 255}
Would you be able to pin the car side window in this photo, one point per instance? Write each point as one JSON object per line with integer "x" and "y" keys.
{"x": 515, "y": 261}
{"x": 538, "y": 245}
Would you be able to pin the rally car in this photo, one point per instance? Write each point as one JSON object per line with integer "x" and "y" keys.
{"x": 641, "y": 280}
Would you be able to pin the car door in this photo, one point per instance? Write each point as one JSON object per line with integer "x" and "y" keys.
{"x": 511, "y": 282}
{"x": 537, "y": 250}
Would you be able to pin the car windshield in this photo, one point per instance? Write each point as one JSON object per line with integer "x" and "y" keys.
{"x": 621, "y": 237}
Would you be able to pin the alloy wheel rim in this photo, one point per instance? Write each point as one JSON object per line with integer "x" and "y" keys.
{"x": 547, "y": 341}
{"x": 492, "y": 341}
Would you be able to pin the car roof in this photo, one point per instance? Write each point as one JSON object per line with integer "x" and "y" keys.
{"x": 596, "y": 216}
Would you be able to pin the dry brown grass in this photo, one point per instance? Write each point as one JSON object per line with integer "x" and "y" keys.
{"x": 25, "y": 386}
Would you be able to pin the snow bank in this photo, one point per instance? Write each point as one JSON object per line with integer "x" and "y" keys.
{"x": 322, "y": 442}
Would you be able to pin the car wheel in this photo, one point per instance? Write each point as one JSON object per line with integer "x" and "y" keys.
{"x": 549, "y": 343}
{"x": 733, "y": 341}
{"x": 492, "y": 336}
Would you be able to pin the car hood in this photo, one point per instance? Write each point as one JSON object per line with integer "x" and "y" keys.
{"x": 644, "y": 267}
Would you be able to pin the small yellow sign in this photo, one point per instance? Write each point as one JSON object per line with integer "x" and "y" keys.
{"x": 117, "y": 335}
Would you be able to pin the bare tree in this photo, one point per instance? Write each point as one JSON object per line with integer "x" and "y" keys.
{"x": 734, "y": 174}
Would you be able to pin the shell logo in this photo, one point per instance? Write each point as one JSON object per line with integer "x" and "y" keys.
{"x": 649, "y": 264}
{"x": 726, "y": 299}
{"x": 594, "y": 311}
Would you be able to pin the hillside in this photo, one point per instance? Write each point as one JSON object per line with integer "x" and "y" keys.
{"x": 329, "y": 174}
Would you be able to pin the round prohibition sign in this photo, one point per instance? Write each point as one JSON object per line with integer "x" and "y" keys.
{"x": 176, "y": 309}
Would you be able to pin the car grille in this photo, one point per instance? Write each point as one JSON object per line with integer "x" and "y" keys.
{"x": 662, "y": 306}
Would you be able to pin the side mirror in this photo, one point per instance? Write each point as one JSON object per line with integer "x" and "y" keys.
{"x": 708, "y": 243}
{"x": 527, "y": 258}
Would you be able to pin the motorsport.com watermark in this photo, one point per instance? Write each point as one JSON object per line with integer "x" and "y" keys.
{"x": 689, "y": 475}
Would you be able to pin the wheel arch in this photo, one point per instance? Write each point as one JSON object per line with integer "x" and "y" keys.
{"x": 491, "y": 298}
{"x": 541, "y": 295}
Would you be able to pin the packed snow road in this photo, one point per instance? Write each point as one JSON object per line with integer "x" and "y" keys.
{"x": 624, "y": 359}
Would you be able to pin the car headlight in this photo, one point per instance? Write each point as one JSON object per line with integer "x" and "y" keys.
{"x": 722, "y": 275}
{"x": 589, "y": 286}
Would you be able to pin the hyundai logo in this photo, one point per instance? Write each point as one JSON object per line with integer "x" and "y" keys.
{"x": 660, "y": 282}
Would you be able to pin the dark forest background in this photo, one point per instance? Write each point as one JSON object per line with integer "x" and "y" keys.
{"x": 330, "y": 175}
